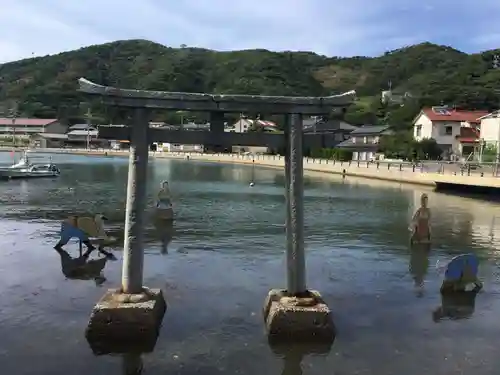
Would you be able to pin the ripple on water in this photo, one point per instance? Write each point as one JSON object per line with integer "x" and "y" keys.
{"x": 227, "y": 251}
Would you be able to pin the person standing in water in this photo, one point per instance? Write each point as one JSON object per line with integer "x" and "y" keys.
{"x": 420, "y": 223}
{"x": 164, "y": 198}
{"x": 164, "y": 209}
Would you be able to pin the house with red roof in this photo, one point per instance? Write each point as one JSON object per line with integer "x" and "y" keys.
{"x": 20, "y": 128}
{"x": 24, "y": 127}
{"x": 456, "y": 131}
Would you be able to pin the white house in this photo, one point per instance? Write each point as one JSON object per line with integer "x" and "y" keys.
{"x": 244, "y": 124}
{"x": 490, "y": 128}
{"x": 176, "y": 147}
{"x": 82, "y": 133}
{"x": 364, "y": 141}
{"x": 445, "y": 126}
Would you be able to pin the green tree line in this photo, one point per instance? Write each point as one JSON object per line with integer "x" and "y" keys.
{"x": 45, "y": 87}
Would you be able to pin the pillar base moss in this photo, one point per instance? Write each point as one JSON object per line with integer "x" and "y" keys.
{"x": 124, "y": 323}
{"x": 298, "y": 318}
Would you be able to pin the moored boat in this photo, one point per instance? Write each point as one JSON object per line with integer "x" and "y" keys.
{"x": 33, "y": 171}
{"x": 25, "y": 169}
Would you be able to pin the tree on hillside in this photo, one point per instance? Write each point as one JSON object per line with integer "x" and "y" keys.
{"x": 434, "y": 74}
{"x": 358, "y": 114}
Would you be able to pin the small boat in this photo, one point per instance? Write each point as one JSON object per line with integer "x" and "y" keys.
{"x": 25, "y": 169}
{"x": 32, "y": 171}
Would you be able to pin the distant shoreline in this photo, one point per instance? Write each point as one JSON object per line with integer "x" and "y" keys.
{"x": 268, "y": 161}
{"x": 392, "y": 172}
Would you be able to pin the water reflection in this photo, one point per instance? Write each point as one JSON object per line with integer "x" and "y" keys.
{"x": 164, "y": 231}
{"x": 82, "y": 267}
{"x": 199, "y": 172}
{"x": 419, "y": 265}
{"x": 458, "y": 305}
{"x": 132, "y": 364}
{"x": 357, "y": 243}
{"x": 294, "y": 354}
{"x": 131, "y": 353}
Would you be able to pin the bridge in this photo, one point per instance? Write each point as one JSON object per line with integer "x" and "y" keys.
{"x": 134, "y": 313}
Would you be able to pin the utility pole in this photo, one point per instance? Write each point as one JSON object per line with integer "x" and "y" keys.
{"x": 13, "y": 114}
{"x": 88, "y": 118}
{"x": 496, "y": 65}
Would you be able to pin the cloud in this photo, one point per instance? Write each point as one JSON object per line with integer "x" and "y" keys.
{"x": 330, "y": 27}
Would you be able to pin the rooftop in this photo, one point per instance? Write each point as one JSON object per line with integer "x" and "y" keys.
{"x": 349, "y": 144}
{"x": 82, "y": 133}
{"x": 82, "y": 127}
{"x": 453, "y": 115}
{"x": 370, "y": 129}
{"x": 27, "y": 121}
{"x": 53, "y": 135}
{"x": 494, "y": 114}
{"x": 329, "y": 126}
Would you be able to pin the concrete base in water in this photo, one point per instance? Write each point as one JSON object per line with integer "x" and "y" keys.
{"x": 121, "y": 323}
{"x": 304, "y": 318}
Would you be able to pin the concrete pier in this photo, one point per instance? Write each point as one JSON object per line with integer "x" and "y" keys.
{"x": 131, "y": 315}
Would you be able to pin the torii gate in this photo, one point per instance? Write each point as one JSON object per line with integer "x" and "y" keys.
{"x": 134, "y": 313}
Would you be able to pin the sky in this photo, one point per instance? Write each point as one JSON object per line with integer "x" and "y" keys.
{"x": 329, "y": 27}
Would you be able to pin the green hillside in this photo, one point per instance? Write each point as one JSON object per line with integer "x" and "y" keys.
{"x": 46, "y": 86}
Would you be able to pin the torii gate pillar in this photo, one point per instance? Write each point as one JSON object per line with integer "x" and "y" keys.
{"x": 296, "y": 313}
{"x": 130, "y": 317}
{"x": 216, "y": 126}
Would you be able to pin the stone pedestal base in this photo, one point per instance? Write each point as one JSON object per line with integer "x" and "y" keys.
{"x": 304, "y": 318}
{"x": 124, "y": 323}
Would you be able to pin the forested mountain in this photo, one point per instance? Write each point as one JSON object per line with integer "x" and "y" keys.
{"x": 431, "y": 74}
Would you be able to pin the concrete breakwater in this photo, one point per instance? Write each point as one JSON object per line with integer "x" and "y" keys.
{"x": 428, "y": 174}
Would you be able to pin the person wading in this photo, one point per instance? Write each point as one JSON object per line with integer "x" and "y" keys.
{"x": 420, "y": 223}
{"x": 84, "y": 228}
